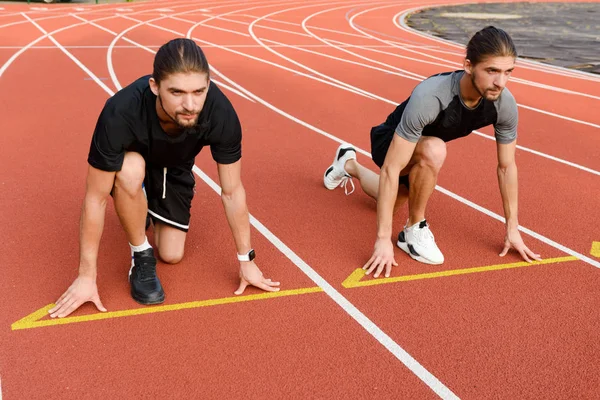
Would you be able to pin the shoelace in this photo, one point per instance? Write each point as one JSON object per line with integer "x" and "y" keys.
{"x": 344, "y": 184}
{"x": 147, "y": 268}
{"x": 425, "y": 236}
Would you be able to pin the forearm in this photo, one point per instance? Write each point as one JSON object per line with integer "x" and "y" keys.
{"x": 236, "y": 211}
{"x": 386, "y": 197}
{"x": 508, "y": 182}
{"x": 91, "y": 227}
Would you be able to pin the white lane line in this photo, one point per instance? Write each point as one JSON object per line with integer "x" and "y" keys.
{"x": 32, "y": 43}
{"x": 204, "y": 42}
{"x": 400, "y": 22}
{"x": 372, "y": 95}
{"x": 71, "y": 56}
{"x": 141, "y": 46}
{"x": 392, "y": 102}
{"x": 457, "y": 65}
{"x": 435, "y": 384}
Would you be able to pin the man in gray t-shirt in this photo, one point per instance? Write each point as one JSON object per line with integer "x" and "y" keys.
{"x": 410, "y": 149}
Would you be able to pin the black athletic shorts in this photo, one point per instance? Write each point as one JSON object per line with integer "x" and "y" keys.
{"x": 381, "y": 138}
{"x": 170, "y": 192}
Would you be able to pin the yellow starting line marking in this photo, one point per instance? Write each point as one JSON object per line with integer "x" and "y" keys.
{"x": 354, "y": 280}
{"x": 32, "y": 320}
{"x": 595, "y": 249}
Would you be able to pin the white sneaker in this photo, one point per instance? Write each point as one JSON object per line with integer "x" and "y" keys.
{"x": 336, "y": 175}
{"x": 418, "y": 242}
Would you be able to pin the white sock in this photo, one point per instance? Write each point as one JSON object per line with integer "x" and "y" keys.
{"x": 141, "y": 247}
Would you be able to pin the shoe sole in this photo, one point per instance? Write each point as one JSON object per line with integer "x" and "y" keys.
{"x": 404, "y": 247}
{"x": 147, "y": 302}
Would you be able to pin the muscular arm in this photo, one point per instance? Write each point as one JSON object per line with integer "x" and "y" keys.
{"x": 233, "y": 197}
{"x": 398, "y": 157}
{"x": 98, "y": 187}
{"x": 508, "y": 182}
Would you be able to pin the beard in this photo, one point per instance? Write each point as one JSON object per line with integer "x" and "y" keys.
{"x": 184, "y": 123}
{"x": 490, "y": 94}
{"x": 187, "y": 122}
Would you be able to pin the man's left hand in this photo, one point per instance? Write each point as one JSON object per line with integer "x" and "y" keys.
{"x": 513, "y": 239}
{"x": 251, "y": 275}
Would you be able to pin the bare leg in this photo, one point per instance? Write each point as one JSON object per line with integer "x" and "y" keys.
{"x": 423, "y": 169}
{"x": 170, "y": 242}
{"x": 428, "y": 160}
{"x": 369, "y": 181}
{"x": 130, "y": 202}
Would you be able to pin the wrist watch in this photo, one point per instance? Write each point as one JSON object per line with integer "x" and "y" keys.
{"x": 248, "y": 256}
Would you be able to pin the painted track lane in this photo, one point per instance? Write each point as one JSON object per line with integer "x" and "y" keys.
{"x": 305, "y": 207}
{"x": 75, "y": 385}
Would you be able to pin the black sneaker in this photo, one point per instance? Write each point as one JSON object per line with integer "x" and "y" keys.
{"x": 145, "y": 286}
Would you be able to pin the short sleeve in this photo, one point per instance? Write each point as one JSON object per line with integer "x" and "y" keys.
{"x": 227, "y": 133}
{"x": 505, "y": 128}
{"x": 112, "y": 136}
{"x": 421, "y": 110}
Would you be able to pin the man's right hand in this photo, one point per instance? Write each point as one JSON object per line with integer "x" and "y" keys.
{"x": 82, "y": 290}
{"x": 383, "y": 257}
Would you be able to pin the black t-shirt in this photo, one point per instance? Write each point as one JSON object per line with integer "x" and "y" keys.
{"x": 129, "y": 122}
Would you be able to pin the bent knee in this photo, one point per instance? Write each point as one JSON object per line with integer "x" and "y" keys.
{"x": 170, "y": 256}
{"x": 132, "y": 173}
{"x": 433, "y": 152}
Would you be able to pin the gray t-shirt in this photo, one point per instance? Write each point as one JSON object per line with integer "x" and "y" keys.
{"x": 435, "y": 108}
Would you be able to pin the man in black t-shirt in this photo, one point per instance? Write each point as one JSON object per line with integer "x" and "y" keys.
{"x": 142, "y": 153}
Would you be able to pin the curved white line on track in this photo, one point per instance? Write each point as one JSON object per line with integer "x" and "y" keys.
{"x": 40, "y": 38}
{"x": 258, "y": 40}
{"x": 75, "y": 60}
{"x": 141, "y": 46}
{"x": 243, "y": 54}
{"x": 297, "y": 72}
{"x": 457, "y": 65}
{"x": 111, "y": 71}
{"x": 392, "y": 102}
{"x": 400, "y": 22}
{"x": 401, "y": 72}
{"x": 97, "y": 9}
{"x": 452, "y": 64}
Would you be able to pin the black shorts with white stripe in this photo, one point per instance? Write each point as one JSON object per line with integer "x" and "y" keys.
{"x": 170, "y": 192}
